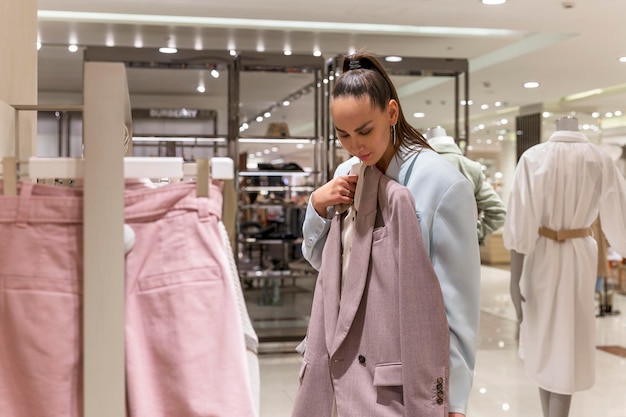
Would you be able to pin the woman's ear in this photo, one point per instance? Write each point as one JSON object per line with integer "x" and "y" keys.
{"x": 394, "y": 111}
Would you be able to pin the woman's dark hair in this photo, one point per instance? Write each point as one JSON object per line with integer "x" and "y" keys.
{"x": 363, "y": 75}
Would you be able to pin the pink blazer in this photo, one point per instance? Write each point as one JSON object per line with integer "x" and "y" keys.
{"x": 381, "y": 347}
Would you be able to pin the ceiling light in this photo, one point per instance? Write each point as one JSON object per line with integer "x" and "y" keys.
{"x": 286, "y": 103}
{"x": 72, "y": 48}
{"x": 259, "y": 119}
{"x": 317, "y": 52}
{"x": 492, "y": 2}
{"x": 531, "y": 84}
{"x": 201, "y": 89}
{"x": 168, "y": 50}
{"x": 617, "y": 113}
{"x": 271, "y": 24}
{"x": 419, "y": 114}
{"x": 38, "y": 45}
{"x": 595, "y": 114}
{"x": 287, "y": 52}
{"x": 215, "y": 73}
{"x": 484, "y": 106}
{"x": 622, "y": 59}
{"x": 497, "y": 103}
{"x": 393, "y": 58}
{"x": 233, "y": 52}
{"x": 267, "y": 114}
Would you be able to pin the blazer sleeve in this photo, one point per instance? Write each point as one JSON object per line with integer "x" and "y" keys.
{"x": 456, "y": 259}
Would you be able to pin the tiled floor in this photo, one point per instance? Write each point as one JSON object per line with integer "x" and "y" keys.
{"x": 501, "y": 387}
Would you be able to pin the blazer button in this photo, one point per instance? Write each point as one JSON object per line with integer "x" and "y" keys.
{"x": 361, "y": 359}
{"x": 439, "y": 387}
{"x": 439, "y": 401}
{"x": 440, "y": 380}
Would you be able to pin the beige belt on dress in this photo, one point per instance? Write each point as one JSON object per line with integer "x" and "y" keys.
{"x": 561, "y": 235}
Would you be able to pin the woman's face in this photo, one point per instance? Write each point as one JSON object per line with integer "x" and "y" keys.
{"x": 364, "y": 130}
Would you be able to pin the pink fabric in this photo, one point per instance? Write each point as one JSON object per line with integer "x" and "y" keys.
{"x": 184, "y": 344}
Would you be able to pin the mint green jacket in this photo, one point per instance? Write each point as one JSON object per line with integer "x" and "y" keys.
{"x": 491, "y": 209}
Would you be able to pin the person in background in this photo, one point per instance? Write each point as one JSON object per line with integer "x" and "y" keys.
{"x": 491, "y": 209}
{"x": 371, "y": 126}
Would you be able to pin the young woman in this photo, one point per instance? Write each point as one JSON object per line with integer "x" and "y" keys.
{"x": 370, "y": 125}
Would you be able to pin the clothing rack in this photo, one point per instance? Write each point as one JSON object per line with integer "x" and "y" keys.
{"x": 106, "y": 122}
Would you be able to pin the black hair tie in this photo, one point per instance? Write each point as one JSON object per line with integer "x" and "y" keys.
{"x": 354, "y": 64}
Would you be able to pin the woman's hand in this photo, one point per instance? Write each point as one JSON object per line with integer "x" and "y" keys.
{"x": 339, "y": 190}
{"x": 456, "y": 415}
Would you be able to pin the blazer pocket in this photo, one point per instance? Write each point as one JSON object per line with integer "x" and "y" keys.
{"x": 379, "y": 233}
{"x": 388, "y": 374}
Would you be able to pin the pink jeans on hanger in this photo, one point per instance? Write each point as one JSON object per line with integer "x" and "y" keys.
{"x": 185, "y": 352}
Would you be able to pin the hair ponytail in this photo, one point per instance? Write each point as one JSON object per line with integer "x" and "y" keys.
{"x": 363, "y": 75}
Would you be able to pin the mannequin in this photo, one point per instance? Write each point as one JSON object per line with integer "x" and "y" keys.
{"x": 552, "y": 275}
{"x": 491, "y": 210}
{"x": 437, "y": 132}
{"x": 567, "y": 123}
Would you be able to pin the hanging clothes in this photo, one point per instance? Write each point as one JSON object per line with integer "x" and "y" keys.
{"x": 380, "y": 345}
{"x": 185, "y": 354}
{"x": 250, "y": 336}
{"x": 560, "y": 185}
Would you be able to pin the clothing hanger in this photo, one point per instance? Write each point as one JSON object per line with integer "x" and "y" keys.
{"x": 9, "y": 175}
{"x": 218, "y": 168}
{"x": 134, "y": 167}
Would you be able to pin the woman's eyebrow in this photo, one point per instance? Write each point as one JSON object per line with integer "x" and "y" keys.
{"x": 364, "y": 125}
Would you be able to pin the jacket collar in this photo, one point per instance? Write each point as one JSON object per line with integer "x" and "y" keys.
{"x": 568, "y": 136}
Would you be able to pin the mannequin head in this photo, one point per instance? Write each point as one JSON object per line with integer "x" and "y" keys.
{"x": 435, "y": 132}
{"x": 567, "y": 123}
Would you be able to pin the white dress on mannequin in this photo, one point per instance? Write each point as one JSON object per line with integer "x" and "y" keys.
{"x": 562, "y": 184}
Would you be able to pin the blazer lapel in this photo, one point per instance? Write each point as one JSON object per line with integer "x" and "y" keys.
{"x": 331, "y": 274}
{"x": 357, "y": 272}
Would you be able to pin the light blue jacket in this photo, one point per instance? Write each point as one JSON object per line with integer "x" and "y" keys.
{"x": 447, "y": 214}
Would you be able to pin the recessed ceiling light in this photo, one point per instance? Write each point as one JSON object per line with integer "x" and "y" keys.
{"x": 201, "y": 89}
{"x": 215, "y": 73}
{"x": 168, "y": 50}
{"x": 492, "y": 2}
{"x": 287, "y": 52}
{"x": 72, "y": 48}
{"x": 531, "y": 84}
{"x": 393, "y": 58}
{"x": 419, "y": 114}
{"x": 317, "y": 52}
{"x": 622, "y": 59}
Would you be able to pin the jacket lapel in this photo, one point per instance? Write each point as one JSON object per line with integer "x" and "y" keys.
{"x": 331, "y": 274}
{"x": 357, "y": 271}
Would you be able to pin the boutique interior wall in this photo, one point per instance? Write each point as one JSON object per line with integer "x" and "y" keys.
{"x": 18, "y": 76}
